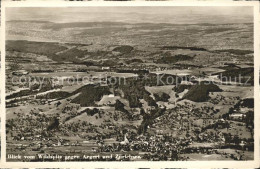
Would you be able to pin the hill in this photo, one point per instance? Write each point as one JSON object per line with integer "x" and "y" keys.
{"x": 41, "y": 48}
{"x": 173, "y": 59}
{"x": 200, "y": 92}
{"x": 89, "y": 94}
{"x": 240, "y": 75}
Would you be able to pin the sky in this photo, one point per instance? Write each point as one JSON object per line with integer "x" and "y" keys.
{"x": 177, "y": 15}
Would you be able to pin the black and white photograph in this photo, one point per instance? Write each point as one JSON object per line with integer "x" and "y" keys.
{"x": 130, "y": 83}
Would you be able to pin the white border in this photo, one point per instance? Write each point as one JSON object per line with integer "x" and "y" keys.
{"x": 165, "y": 164}
{"x": 2, "y": 84}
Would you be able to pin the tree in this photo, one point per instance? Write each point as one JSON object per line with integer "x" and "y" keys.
{"x": 163, "y": 97}
{"x": 249, "y": 119}
{"x": 236, "y": 139}
{"x": 54, "y": 123}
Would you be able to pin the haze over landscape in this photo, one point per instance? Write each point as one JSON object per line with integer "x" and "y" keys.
{"x": 57, "y": 23}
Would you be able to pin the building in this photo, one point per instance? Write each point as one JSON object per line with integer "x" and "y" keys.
{"x": 20, "y": 73}
{"x": 105, "y": 68}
